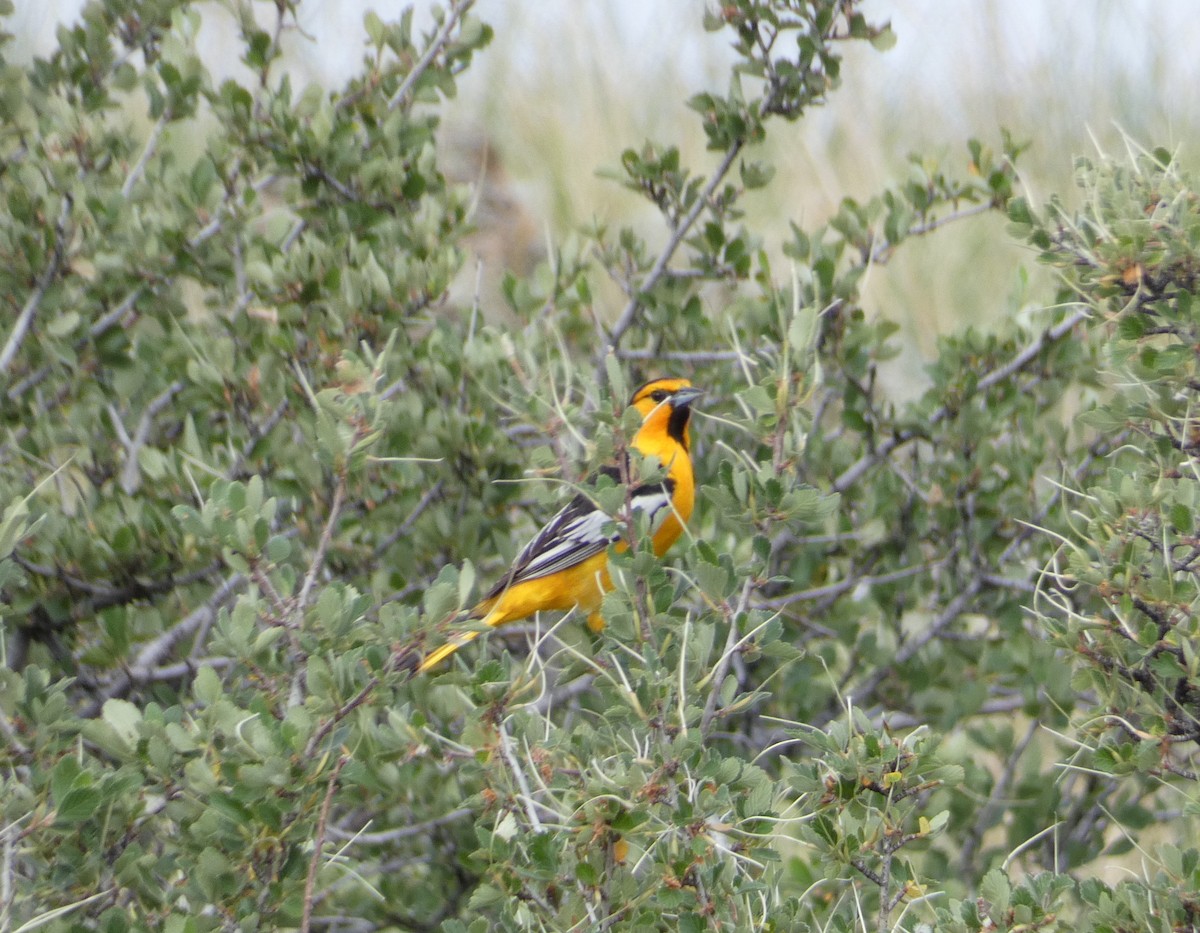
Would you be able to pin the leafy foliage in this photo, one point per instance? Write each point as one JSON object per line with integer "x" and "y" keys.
{"x": 256, "y": 457}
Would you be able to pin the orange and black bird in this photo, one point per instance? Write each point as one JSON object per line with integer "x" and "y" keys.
{"x": 565, "y": 566}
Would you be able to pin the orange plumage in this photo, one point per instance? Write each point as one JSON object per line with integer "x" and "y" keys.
{"x": 565, "y": 566}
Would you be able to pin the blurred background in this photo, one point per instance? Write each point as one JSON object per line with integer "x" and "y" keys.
{"x": 566, "y": 86}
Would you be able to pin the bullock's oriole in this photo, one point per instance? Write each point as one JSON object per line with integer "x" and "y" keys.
{"x": 566, "y": 564}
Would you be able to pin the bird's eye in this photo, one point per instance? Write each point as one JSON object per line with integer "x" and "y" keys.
{"x": 658, "y": 395}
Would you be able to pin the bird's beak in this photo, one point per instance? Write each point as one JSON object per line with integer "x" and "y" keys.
{"x": 682, "y": 398}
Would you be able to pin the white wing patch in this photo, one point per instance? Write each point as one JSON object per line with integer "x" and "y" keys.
{"x": 572, "y": 537}
{"x": 652, "y": 502}
{"x": 571, "y": 543}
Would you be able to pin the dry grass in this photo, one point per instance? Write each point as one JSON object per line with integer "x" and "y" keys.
{"x": 562, "y": 91}
{"x": 566, "y": 87}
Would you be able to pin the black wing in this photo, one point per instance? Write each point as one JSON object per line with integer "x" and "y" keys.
{"x": 579, "y": 531}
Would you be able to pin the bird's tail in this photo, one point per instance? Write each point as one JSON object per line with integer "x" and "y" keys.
{"x": 438, "y": 655}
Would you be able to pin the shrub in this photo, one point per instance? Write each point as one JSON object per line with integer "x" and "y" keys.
{"x": 256, "y": 457}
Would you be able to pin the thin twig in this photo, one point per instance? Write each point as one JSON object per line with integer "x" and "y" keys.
{"x": 881, "y": 252}
{"x": 340, "y": 187}
{"x": 104, "y": 594}
{"x": 731, "y": 640}
{"x": 1050, "y": 335}
{"x": 181, "y": 669}
{"x": 293, "y": 235}
{"x": 33, "y": 302}
{"x": 885, "y": 885}
{"x": 318, "y": 561}
{"x": 997, "y": 581}
{"x": 568, "y": 691}
{"x": 400, "y": 385}
{"x": 455, "y": 13}
{"x": 1004, "y": 706}
{"x": 427, "y": 499}
{"x": 402, "y": 832}
{"x": 682, "y": 356}
{"x": 953, "y": 610}
{"x": 995, "y": 803}
{"x": 314, "y": 864}
{"x": 148, "y": 659}
{"x": 870, "y": 874}
{"x": 257, "y": 433}
{"x": 105, "y": 323}
{"x": 850, "y": 583}
{"x": 1101, "y": 447}
{"x": 510, "y": 759}
{"x": 131, "y": 471}
{"x": 7, "y": 834}
{"x": 343, "y": 711}
{"x": 239, "y": 275}
{"x": 151, "y": 145}
{"x": 629, "y": 315}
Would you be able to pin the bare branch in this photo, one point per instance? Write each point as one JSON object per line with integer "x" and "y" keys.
{"x": 131, "y": 477}
{"x": 908, "y": 650}
{"x": 426, "y": 500}
{"x": 684, "y": 356}
{"x": 1050, "y": 335}
{"x": 455, "y": 13}
{"x": 25, "y": 318}
{"x": 658, "y": 270}
{"x": 869, "y": 874}
{"x": 995, "y": 802}
{"x": 146, "y": 663}
{"x": 710, "y": 706}
{"x": 850, "y": 583}
{"x": 885, "y": 884}
{"x": 314, "y": 863}
{"x": 151, "y": 145}
{"x": 402, "y": 832}
{"x": 100, "y": 327}
{"x": 318, "y": 561}
{"x": 293, "y": 235}
{"x": 882, "y": 251}
{"x": 105, "y": 323}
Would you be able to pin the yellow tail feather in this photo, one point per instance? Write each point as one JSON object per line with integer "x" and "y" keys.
{"x": 440, "y": 654}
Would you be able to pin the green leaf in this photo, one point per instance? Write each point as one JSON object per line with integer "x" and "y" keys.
{"x": 996, "y": 890}
{"x": 63, "y": 324}
{"x": 207, "y": 686}
{"x": 124, "y": 717}
{"x": 884, "y": 39}
{"x": 77, "y": 805}
{"x": 278, "y": 549}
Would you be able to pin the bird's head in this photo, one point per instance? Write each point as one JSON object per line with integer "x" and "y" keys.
{"x": 665, "y": 404}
